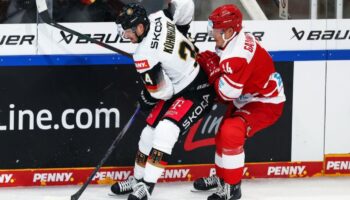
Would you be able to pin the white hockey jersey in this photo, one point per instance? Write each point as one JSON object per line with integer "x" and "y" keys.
{"x": 165, "y": 58}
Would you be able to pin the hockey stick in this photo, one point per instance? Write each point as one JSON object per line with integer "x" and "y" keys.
{"x": 76, "y": 195}
{"x": 45, "y": 16}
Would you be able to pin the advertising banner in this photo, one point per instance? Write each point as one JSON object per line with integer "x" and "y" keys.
{"x": 64, "y": 100}
{"x": 65, "y": 117}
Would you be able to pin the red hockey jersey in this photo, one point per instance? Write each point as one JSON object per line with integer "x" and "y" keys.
{"x": 249, "y": 73}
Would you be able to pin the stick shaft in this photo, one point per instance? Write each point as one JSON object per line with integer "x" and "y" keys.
{"x": 45, "y": 16}
{"x": 107, "y": 154}
{"x": 63, "y": 28}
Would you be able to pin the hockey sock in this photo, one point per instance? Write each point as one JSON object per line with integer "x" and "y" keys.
{"x": 233, "y": 163}
{"x": 155, "y": 165}
{"x": 140, "y": 163}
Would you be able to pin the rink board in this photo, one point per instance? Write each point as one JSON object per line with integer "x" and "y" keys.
{"x": 335, "y": 165}
{"x": 63, "y": 100}
{"x": 109, "y": 175}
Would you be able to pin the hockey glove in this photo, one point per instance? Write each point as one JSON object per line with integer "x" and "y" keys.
{"x": 146, "y": 101}
{"x": 209, "y": 62}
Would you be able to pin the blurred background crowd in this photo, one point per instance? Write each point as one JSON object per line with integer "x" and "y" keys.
{"x": 24, "y": 11}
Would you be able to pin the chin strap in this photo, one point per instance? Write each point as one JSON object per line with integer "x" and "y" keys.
{"x": 229, "y": 39}
{"x": 140, "y": 38}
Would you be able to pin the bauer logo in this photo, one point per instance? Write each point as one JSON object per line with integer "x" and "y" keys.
{"x": 114, "y": 175}
{"x": 204, "y": 36}
{"x": 12, "y": 40}
{"x": 285, "y": 170}
{"x": 101, "y": 37}
{"x": 6, "y": 178}
{"x": 52, "y": 177}
{"x": 142, "y": 64}
{"x": 320, "y": 34}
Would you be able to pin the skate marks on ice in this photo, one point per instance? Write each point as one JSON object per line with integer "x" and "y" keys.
{"x": 56, "y": 198}
{"x": 116, "y": 197}
{"x": 194, "y": 190}
{"x": 336, "y": 188}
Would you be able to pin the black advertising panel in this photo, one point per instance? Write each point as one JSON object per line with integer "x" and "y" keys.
{"x": 275, "y": 142}
{"x": 67, "y": 116}
{"x": 269, "y": 145}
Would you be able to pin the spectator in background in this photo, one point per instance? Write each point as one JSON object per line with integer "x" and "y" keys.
{"x": 4, "y": 4}
{"x": 86, "y": 10}
{"x": 17, "y": 11}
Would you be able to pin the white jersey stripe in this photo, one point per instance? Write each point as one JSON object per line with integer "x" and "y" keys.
{"x": 232, "y": 83}
{"x": 274, "y": 100}
{"x": 233, "y": 161}
{"x": 230, "y": 92}
{"x": 218, "y": 160}
{"x": 271, "y": 93}
{"x": 224, "y": 97}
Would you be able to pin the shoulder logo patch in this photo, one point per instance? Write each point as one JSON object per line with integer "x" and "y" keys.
{"x": 142, "y": 64}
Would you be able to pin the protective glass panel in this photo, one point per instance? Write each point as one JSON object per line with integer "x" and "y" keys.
{"x": 24, "y": 11}
{"x": 17, "y": 11}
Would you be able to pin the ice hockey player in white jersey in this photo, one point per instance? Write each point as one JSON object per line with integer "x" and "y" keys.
{"x": 176, "y": 92}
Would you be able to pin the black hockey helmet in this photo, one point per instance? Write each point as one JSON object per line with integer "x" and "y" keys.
{"x": 131, "y": 15}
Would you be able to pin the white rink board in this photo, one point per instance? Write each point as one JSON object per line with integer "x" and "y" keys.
{"x": 320, "y": 87}
{"x": 338, "y": 108}
{"x": 312, "y": 34}
{"x": 53, "y": 41}
{"x": 308, "y": 111}
{"x": 14, "y": 39}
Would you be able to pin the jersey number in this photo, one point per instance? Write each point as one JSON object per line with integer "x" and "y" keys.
{"x": 186, "y": 46}
{"x": 148, "y": 79}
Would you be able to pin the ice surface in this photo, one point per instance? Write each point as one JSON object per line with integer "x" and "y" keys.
{"x": 334, "y": 188}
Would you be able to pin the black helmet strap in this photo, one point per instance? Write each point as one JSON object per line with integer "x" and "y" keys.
{"x": 143, "y": 35}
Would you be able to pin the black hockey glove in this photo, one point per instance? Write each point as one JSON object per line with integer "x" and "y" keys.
{"x": 183, "y": 29}
{"x": 146, "y": 101}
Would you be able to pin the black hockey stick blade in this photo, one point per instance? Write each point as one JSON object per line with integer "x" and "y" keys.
{"x": 45, "y": 16}
{"x": 107, "y": 154}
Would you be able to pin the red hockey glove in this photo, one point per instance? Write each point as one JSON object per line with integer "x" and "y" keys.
{"x": 209, "y": 62}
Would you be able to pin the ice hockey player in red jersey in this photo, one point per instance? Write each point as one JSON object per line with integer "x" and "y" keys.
{"x": 176, "y": 88}
{"x": 243, "y": 75}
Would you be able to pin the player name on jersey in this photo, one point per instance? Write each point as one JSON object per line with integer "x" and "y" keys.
{"x": 170, "y": 38}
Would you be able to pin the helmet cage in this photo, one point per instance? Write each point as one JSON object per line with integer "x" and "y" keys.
{"x": 122, "y": 32}
{"x": 212, "y": 31}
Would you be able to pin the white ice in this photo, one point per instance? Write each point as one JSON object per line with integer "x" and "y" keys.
{"x": 330, "y": 188}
